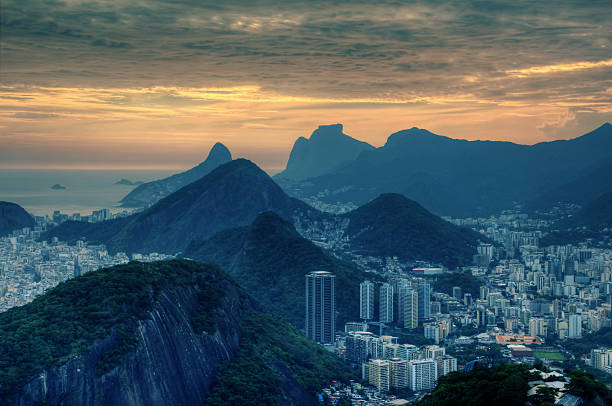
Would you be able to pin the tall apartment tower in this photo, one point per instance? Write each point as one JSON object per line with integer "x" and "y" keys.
{"x": 386, "y": 303}
{"x": 575, "y": 326}
{"x": 366, "y": 300}
{"x": 321, "y": 306}
{"x": 408, "y": 306}
{"x": 423, "y": 374}
{"x": 457, "y": 292}
{"x": 424, "y": 293}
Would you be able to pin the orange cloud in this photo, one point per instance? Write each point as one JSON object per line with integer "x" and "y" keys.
{"x": 568, "y": 67}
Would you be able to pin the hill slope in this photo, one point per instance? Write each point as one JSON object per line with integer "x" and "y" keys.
{"x": 270, "y": 260}
{"x": 230, "y": 196}
{"x": 13, "y": 217}
{"x": 588, "y": 222}
{"x": 151, "y": 334}
{"x": 327, "y": 148}
{"x": 149, "y": 193}
{"x": 459, "y": 177}
{"x": 392, "y": 225}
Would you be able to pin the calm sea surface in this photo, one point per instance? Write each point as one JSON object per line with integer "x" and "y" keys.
{"x": 86, "y": 190}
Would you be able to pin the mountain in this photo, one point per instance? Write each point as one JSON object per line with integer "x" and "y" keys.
{"x": 270, "y": 260}
{"x": 584, "y": 188}
{"x": 327, "y": 148}
{"x": 230, "y": 196}
{"x": 13, "y": 217}
{"x": 459, "y": 177}
{"x": 392, "y": 225}
{"x": 164, "y": 333}
{"x": 149, "y": 193}
{"x": 594, "y": 220}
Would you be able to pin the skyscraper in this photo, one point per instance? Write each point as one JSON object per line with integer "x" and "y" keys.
{"x": 457, "y": 292}
{"x": 366, "y": 300}
{"x": 321, "y": 306}
{"x": 408, "y": 306}
{"x": 575, "y": 326}
{"x": 386, "y": 303}
{"x": 424, "y": 300}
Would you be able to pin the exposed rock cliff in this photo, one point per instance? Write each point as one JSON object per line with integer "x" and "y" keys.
{"x": 171, "y": 365}
{"x": 164, "y": 333}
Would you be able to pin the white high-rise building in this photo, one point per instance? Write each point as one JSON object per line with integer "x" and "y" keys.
{"x": 398, "y": 372}
{"x": 408, "y": 307}
{"x": 422, "y": 374}
{"x": 446, "y": 364}
{"x": 537, "y": 327}
{"x": 366, "y": 300}
{"x": 386, "y": 303}
{"x": 424, "y": 300}
{"x": 434, "y": 351}
{"x": 432, "y": 331}
{"x": 379, "y": 374}
{"x": 574, "y": 326}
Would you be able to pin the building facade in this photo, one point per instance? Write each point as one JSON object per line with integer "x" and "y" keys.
{"x": 321, "y": 306}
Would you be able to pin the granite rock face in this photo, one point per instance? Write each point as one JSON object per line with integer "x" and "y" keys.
{"x": 172, "y": 364}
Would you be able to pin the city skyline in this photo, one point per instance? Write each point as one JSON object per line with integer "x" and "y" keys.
{"x": 118, "y": 85}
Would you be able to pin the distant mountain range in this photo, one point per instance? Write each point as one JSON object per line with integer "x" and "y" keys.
{"x": 234, "y": 194}
{"x": 165, "y": 333}
{"x": 230, "y": 196}
{"x": 458, "y": 177}
{"x": 149, "y": 193}
{"x": 13, "y": 217}
{"x": 594, "y": 220}
{"x": 326, "y": 149}
{"x": 270, "y": 259}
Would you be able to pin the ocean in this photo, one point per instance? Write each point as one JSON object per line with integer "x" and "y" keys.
{"x": 86, "y": 190}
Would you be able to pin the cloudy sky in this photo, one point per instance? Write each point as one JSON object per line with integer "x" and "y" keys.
{"x": 153, "y": 84}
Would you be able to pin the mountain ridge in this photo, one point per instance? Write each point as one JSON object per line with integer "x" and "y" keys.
{"x": 232, "y": 195}
{"x": 328, "y": 147}
{"x": 270, "y": 259}
{"x": 149, "y": 193}
{"x": 154, "y": 334}
{"x": 459, "y": 177}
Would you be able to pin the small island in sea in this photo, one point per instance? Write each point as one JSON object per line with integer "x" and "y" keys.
{"x": 57, "y": 186}
{"x": 128, "y": 182}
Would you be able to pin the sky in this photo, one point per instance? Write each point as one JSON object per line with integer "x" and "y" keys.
{"x": 154, "y": 84}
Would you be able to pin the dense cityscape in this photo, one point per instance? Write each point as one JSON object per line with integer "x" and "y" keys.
{"x": 518, "y": 303}
{"x": 305, "y": 203}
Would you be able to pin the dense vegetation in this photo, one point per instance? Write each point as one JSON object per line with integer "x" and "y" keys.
{"x": 392, "y": 225}
{"x": 13, "y": 217}
{"x": 584, "y": 345}
{"x": 65, "y": 321}
{"x": 270, "y": 260}
{"x": 465, "y": 280}
{"x": 583, "y": 384}
{"x": 271, "y": 351}
{"x": 502, "y": 385}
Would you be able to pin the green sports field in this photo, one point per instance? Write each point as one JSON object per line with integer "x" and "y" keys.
{"x": 548, "y": 355}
